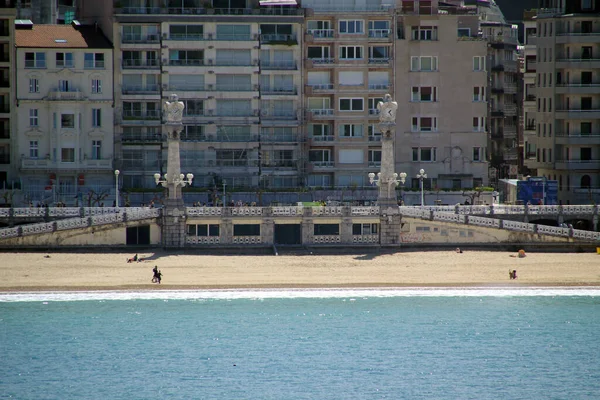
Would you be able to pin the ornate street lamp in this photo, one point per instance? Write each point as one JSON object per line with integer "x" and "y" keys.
{"x": 176, "y": 180}
{"x": 422, "y": 175}
{"x": 117, "y": 172}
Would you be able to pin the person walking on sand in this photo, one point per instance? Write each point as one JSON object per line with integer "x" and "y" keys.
{"x": 155, "y": 274}
{"x": 159, "y": 277}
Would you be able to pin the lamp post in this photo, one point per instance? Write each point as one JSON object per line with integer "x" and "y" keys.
{"x": 422, "y": 175}
{"x": 402, "y": 181}
{"x": 175, "y": 180}
{"x": 224, "y": 195}
{"x": 117, "y": 172}
{"x": 395, "y": 179}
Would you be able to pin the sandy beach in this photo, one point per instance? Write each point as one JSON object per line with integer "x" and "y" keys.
{"x": 110, "y": 271}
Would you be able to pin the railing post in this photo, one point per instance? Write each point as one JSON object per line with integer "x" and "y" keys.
{"x": 500, "y": 224}
{"x": 535, "y": 229}
{"x": 11, "y": 216}
{"x": 456, "y": 209}
{"x": 491, "y": 209}
{"x": 81, "y": 212}
{"x": 54, "y": 226}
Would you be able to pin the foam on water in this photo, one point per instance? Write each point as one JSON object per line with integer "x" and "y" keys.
{"x": 259, "y": 294}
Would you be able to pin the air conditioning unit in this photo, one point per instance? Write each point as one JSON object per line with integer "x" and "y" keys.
{"x": 211, "y": 47}
{"x": 211, "y": 97}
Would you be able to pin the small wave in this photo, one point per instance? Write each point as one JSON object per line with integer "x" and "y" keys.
{"x": 259, "y": 294}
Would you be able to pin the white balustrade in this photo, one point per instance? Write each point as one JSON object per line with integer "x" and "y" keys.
{"x": 553, "y": 230}
{"x": 365, "y": 238}
{"x": 203, "y": 240}
{"x": 326, "y": 239}
{"x": 34, "y": 229}
{"x": 483, "y": 221}
{"x": 246, "y": 240}
{"x": 6, "y": 233}
{"x": 204, "y": 211}
{"x": 365, "y": 211}
{"x": 106, "y": 219}
{"x": 31, "y": 212}
{"x": 142, "y": 213}
{"x": 570, "y": 210}
{"x": 246, "y": 211}
{"x": 327, "y": 210}
{"x": 286, "y": 211}
{"x": 448, "y": 217}
{"x": 4, "y": 212}
{"x": 71, "y": 223}
{"x": 586, "y": 235}
{"x": 63, "y": 211}
{"x": 517, "y": 226}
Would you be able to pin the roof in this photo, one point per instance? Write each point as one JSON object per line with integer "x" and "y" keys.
{"x": 62, "y": 36}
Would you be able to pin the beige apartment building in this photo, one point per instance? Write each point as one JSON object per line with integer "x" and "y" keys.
{"x": 64, "y": 99}
{"x": 441, "y": 85}
{"x": 567, "y": 135}
{"x": 349, "y": 64}
{"x": 234, "y": 63}
{"x": 7, "y": 137}
{"x": 529, "y": 89}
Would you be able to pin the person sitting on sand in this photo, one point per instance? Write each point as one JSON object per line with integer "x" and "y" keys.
{"x": 512, "y": 274}
{"x": 458, "y": 250}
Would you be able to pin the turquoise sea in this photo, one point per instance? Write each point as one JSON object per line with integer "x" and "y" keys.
{"x": 473, "y": 343}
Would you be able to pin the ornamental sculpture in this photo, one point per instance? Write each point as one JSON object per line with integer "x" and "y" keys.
{"x": 173, "y": 110}
{"x": 387, "y": 110}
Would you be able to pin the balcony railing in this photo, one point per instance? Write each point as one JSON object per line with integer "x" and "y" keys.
{"x": 97, "y": 64}
{"x": 141, "y": 115}
{"x": 191, "y": 87}
{"x": 379, "y": 86}
{"x": 73, "y": 94}
{"x": 186, "y": 36}
{"x": 578, "y": 60}
{"x": 321, "y": 86}
{"x": 321, "y": 111}
{"x": 139, "y": 38}
{"x": 579, "y": 85}
{"x": 326, "y": 164}
{"x": 278, "y": 39}
{"x": 235, "y": 37}
{"x": 134, "y": 89}
{"x": 236, "y": 88}
{"x": 138, "y": 10}
{"x": 290, "y": 90}
{"x": 577, "y": 134}
{"x": 138, "y": 63}
{"x": 577, "y": 33}
{"x": 379, "y": 33}
{"x": 285, "y": 65}
{"x": 187, "y": 10}
{"x": 321, "y": 33}
{"x": 186, "y": 63}
{"x": 379, "y": 60}
{"x": 323, "y": 60}
{"x": 141, "y": 137}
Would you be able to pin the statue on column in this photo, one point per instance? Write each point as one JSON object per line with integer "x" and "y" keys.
{"x": 173, "y": 110}
{"x": 387, "y": 115}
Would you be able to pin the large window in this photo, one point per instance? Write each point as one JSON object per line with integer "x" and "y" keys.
{"x": 33, "y": 149}
{"x": 94, "y": 60}
{"x": 320, "y": 157}
{"x": 326, "y": 229}
{"x": 356, "y": 104}
{"x": 233, "y": 32}
{"x": 193, "y": 107}
{"x": 186, "y": 32}
{"x": 67, "y": 121}
{"x": 424, "y": 124}
{"x": 67, "y": 154}
{"x": 424, "y": 94}
{"x": 96, "y": 149}
{"x": 186, "y": 57}
{"x": 34, "y": 117}
{"x": 64, "y": 60}
{"x": 351, "y": 130}
{"x": 35, "y": 60}
{"x": 425, "y": 63}
{"x": 424, "y": 154}
{"x": 424, "y": 33}
{"x": 365, "y": 229}
{"x": 246, "y": 230}
{"x": 320, "y": 132}
{"x": 318, "y": 52}
{"x": 351, "y": 52}
{"x": 479, "y": 63}
{"x": 351, "y": 26}
{"x": 96, "y": 117}
{"x": 203, "y": 230}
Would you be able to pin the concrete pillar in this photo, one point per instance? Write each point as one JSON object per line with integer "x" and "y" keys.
{"x": 173, "y": 227}
{"x": 267, "y": 231}
{"x": 226, "y": 231}
{"x": 308, "y": 231}
{"x": 390, "y": 226}
{"x": 346, "y": 230}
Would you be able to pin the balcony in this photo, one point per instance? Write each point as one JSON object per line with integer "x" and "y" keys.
{"x": 497, "y": 134}
{"x": 186, "y": 10}
{"x": 287, "y": 40}
{"x": 511, "y": 154}
{"x": 510, "y": 110}
{"x": 578, "y": 88}
{"x": 31, "y": 164}
{"x": 237, "y": 88}
{"x": 184, "y": 37}
{"x": 379, "y": 33}
{"x": 187, "y": 63}
{"x": 276, "y": 164}
{"x": 321, "y": 62}
{"x": 141, "y": 137}
{"x": 132, "y": 38}
{"x": 577, "y": 114}
{"x": 320, "y": 87}
{"x": 320, "y": 33}
{"x": 577, "y": 36}
{"x": 497, "y": 113}
{"x": 378, "y": 86}
{"x": 510, "y": 88}
{"x": 279, "y": 114}
{"x": 278, "y": 65}
{"x": 282, "y": 91}
{"x": 140, "y": 64}
{"x": 236, "y": 38}
{"x": 510, "y": 132}
{"x": 140, "y": 89}
{"x": 70, "y": 95}
{"x": 322, "y": 164}
{"x": 192, "y": 87}
{"x": 323, "y": 138}
{"x": 136, "y": 115}
{"x": 578, "y": 165}
{"x": 577, "y": 138}
{"x": 138, "y": 10}
{"x": 578, "y": 63}
{"x": 321, "y": 113}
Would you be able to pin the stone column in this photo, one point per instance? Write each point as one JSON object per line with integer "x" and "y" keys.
{"x": 390, "y": 225}
{"x": 387, "y": 180}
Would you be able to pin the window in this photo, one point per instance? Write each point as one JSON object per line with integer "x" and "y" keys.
{"x": 478, "y": 124}
{"x": 351, "y": 104}
{"x": 35, "y": 60}
{"x": 67, "y": 154}
{"x": 424, "y": 94}
{"x": 425, "y": 63}
{"x": 379, "y": 53}
{"x": 320, "y": 29}
{"x": 64, "y": 86}
{"x": 479, "y": 63}
{"x": 33, "y": 149}
{"x": 351, "y": 130}
{"x": 204, "y": 230}
{"x": 96, "y": 149}
{"x": 424, "y": 124}
{"x": 186, "y": 32}
{"x": 34, "y": 85}
{"x": 351, "y": 26}
{"x": 374, "y": 133}
{"x": 374, "y": 158}
{"x": 351, "y": 52}
{"x": 464, "y": 32}
{"x": 318, "y": 52}
{"x": 424, "y": 154}
{"x": 424, "y": 33}
{"x": 319, "y": 103}
{"x": 379, "y": 29}
{"x": 320, "y": 132}
{"x": 586, "y": 5}
{"x": 477, "y": 153}
{"x": 479, "y": 93}
{"x": 64, "y": 60}
{"x": 94, "y": 60}
{"x": 67, "y": 120}
{"x": 320, "y": 157}
{"x": 96, "y": 117}
{"x": 193, "y": 107}
{"x": 372, "y": 104}
{"x": 364, "y": 229}
{"x": 33, "y": 117}
{"x": 96, "y": 86}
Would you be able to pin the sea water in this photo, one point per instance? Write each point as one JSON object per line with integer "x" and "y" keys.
{"x": 416, "y": 343}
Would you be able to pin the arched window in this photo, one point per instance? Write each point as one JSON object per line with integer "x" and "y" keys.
{"x": 586, "y": 182}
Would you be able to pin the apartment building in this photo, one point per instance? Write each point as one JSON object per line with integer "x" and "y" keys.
{"x": 47, "y": 11}
{"x": 568, "y": 98}
{"x": 64, "y": 112}
{"x": 7, "y": 20}
{"x": 529, "y": 96}
{"x": 441, "y": 85}
{"x": 349, "y": 63}
{"x": 504, "y": 101}
{"x": 236, "y": 66}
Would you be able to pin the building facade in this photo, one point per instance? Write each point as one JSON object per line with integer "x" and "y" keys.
{"x": 64, "y": 113}
{"x": 568, "y": 98}
{"x": 7, "y": 87}
{"x": 529, "y": 93}
{"x": 442, "y": 96}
